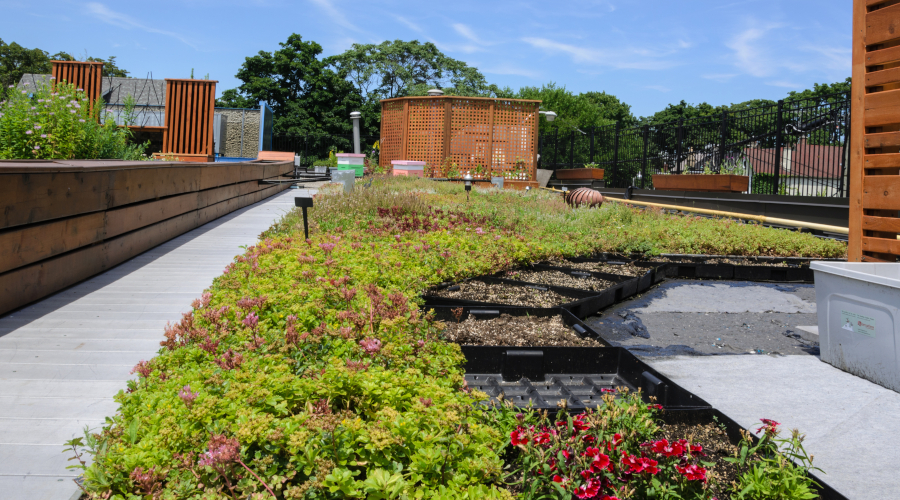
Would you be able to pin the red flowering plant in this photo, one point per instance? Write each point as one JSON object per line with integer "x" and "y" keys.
{"x": 606, "y": 454}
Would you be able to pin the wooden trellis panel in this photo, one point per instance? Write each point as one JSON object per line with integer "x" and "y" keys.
{"x": 392, "y": 130}
{"x": 87, "y": 76}
{"x": 470, "y": 131}
{"x": 425, "y": 130}
{"x": 189, "y": 119}
{"x": 875, "y": 133}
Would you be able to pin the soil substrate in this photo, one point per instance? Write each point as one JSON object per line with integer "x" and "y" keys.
{"x": 726, "y": 260}
{"x": 519, "y": 331}
{"x": 502, "y": 294}
{"x": 601, "y": 267}
{"x": 559, "y": 278}
{"x": 716, "y": 446}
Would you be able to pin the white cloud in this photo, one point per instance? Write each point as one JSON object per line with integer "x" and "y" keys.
{"x": 467, "y": 32}
{"x": 634, "y": 58}
{"x": 749, "y": 54}
{"x": 720, "y": 77}
{"x": 409, "y": 24}
{"x": 785, "y": 84}
{"x": 336, "y": 16}
{"x": 509, "y": 69}
{"x": 127, "y": 22}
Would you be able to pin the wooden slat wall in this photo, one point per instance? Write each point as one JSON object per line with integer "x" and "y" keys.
{"x": 875, "y": 133}
{"x": 63, "y": 227}
{"x": 470, "y": 131}
{"x": 189, "y": 117}
{"x": 83, "y": 75}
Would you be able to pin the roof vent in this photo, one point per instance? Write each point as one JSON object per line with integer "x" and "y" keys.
{"x": 435, "y": 92}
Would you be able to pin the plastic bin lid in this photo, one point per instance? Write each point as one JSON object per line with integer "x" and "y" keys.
{"x": 350, "y": 155}
{"x": 407, "y": 162}
{"x": 885, "y": 274}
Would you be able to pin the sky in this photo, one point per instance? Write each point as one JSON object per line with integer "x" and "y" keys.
{"x": 648, "y": 53}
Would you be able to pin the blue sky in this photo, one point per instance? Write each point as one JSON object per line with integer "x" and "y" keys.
{"x": 649, "y": 53}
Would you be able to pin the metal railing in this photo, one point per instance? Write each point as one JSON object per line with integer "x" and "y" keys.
{"x": 311, "y": 147}
{"x": 795, "y": 147}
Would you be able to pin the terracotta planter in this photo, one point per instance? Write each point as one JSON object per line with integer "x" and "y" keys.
{"x": 580, "y": 173}
{"x": 716, "y": 183}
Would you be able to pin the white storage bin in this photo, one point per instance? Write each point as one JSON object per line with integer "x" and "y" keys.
{"x": 858, "y": 306}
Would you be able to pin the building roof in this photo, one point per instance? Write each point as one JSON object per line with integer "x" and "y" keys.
{"x": 803, "y": 160}
{"x": 114, "y": 90}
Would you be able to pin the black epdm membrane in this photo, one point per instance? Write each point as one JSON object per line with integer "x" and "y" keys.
{"x": 576, "y": 378}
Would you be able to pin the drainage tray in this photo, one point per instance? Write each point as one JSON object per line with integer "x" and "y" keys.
{"x": 550, "y": 378}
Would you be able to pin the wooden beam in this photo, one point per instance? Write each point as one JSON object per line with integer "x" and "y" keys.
{"x": 857, "y": 131}
{"x": 881, "y": 25}
{"x": 882, "y": 139}
{"x": 881, "y": 192}
{"x": 881, "y": 245}
{"x": 884, "y": 224}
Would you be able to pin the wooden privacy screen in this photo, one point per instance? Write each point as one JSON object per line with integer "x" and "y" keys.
{"x": 875, "y": 132}
{"x": 83, "y": 75}
{"x": 470, "y": 131}
{"x": 189, "y": 119}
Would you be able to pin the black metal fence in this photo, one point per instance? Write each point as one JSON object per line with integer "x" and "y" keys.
{"x": 312, "y": 147}
{"x": 795, "y": 147}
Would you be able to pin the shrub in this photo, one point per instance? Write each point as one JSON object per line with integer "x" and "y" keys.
{"x": 48, "y": 123}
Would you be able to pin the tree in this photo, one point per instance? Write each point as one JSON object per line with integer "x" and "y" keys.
{"x": 577, "y": 111}
{"x": 308, "y": 98}
{"x": 823, "y": 92}
{"x": 109, "y": 67}
{"x": 16, "y": 61}
{"x": 232, "y": 98}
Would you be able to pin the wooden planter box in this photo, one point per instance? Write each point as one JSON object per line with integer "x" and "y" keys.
{"x": 520, "y": 185}
{"x": 716, "y": 183}
{"x": 580, "y": 174}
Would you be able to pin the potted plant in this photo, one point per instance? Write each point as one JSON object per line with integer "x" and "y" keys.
{"x": 591, "y": 171}
{"x": 730, "y": 178}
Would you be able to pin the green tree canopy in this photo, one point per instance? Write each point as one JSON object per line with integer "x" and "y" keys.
{"x": 307, "y": 97}
{"x": 16, "y": 61}
{"x": 589, "y": 109}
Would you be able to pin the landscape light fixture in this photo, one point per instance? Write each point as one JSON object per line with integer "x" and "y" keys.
{"x": 549, "y": 115}
{"x": 467, "y": 180}
{"x": 304, "y": 202}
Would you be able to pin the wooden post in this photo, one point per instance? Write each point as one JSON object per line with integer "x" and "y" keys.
{"x": 405, "y": 129}
{"x": 536, "y": 141}
{"x": 87, "y": 76}
{"x": 190, "y": 108}
{"x": 875, "y": 133}
{"x": 857, "y": 131}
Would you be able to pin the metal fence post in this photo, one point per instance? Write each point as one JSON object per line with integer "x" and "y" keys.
{"x": 723, "y": 132}
{"x": 679, "y": 136}
{"x": 592, "y": 145}
{"x": 616, "y": 154}
{"x": 572, "y": 150}
{"x": 779, "y": 144}
{"x": 646, "y": 137}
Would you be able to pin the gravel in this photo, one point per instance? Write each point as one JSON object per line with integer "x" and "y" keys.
{"x": 519, "y": 331}
{"x": 502, "y": 294}
{"x": 559, "y": 278}
{"x": 626, "y": 269}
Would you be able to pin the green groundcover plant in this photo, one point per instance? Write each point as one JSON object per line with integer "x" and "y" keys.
{"x": 308, "y": 369}
{"x": 47, "y": 122}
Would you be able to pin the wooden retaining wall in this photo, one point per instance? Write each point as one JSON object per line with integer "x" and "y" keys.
{"x": 875, "y": 133}
{"x": 65, "y": 221}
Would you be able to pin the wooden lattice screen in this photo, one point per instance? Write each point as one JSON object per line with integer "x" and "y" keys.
{"x": 875, "y": 132}
{"x": 189, "y": 119}
{"x": 470, "y": 131}
{"x": 87, "y": 76}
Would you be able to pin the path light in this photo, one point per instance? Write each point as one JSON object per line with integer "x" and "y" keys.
{"x": 549, "y": 115}
{"x": 527, "y": 188}
{"x": 304, "y": 202}
{"x": 467, "y": 179}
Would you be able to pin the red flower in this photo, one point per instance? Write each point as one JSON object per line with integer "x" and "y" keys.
{"x": 588, "y": 490}
{"x": 542, "y": 438}
{"x": 578, "y": 423}
{"x": 770, "y": 426}
{"x": 655, "y": 407}
{"x": 692, "y": 472}
{"x": 600, "y": 462}
{"x": 591, "y": 452}
{"x": 561, "y": 480}
{"x": 664, "y": 448}
{"x": 632, "y": 462}
{"x": 518, "y": 437}
{"x": 650, "y": 465}
{"x": 587, "y": 438}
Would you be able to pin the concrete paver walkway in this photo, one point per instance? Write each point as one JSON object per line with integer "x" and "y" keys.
{"x": 63, "y": 359}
